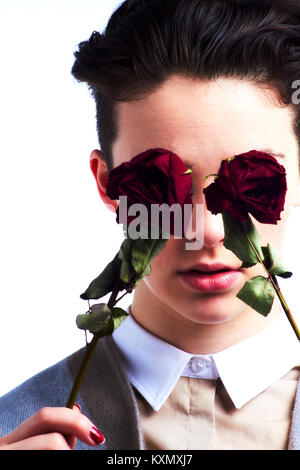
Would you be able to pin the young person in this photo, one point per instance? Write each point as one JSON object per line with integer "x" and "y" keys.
{"x": 192, "y": 367}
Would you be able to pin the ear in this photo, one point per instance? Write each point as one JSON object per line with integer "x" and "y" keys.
{"x": 100, "y": 172}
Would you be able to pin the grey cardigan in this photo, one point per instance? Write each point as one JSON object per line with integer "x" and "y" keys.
{"x": 106, "y": 397}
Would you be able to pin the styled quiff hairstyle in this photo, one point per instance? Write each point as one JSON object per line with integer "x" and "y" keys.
{"x": 147, "y": 41}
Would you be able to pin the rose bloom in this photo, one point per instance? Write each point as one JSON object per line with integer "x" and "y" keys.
{"x": 155, "y": 176}
{"x": 203, "y": 122}
{"x": 254, "y": 183}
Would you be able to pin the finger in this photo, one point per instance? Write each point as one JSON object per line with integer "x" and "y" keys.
{"x": 71, "y": 440}
{"x": 61, "y": 420}
{"x": 50, "y": 441}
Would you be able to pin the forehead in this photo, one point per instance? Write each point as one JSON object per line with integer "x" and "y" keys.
{"x": 202, "y": 121}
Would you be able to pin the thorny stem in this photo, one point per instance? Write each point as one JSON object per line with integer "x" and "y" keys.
{"x": 273, "y": 281}
{"x": 89, "y": 353}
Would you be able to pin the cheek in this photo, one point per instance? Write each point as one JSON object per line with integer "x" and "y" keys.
{"x": 293, "y": 182}
{"x": 158, "y": 281}
{"x": 162, "y": 278}
{"x": 163, "y": 264}
{"x": 292, "y": 197}
{"x": 273, "y": 234}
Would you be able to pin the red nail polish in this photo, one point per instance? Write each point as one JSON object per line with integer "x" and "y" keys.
{"x": 77, "y": 406}
{"x": 96, "y": 435}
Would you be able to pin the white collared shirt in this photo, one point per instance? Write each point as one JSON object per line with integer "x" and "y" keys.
{"x": 246, "y": 368}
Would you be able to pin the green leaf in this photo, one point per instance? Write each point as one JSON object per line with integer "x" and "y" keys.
{"x": 96, "y": 319}
{"x": 82, "y": 321}
{"x": 118, "y": 315}
{"x": 143, "y": 252}
{"x": 100, "y": 312}
{"x": 105, "y": 282}
{"x": 259, "y": 293}
{"x": 109, "y": 329}
{"x": 274, "y": 263}
{"x": 118, "y": 312}
{"x": 242, "y": 239}
{"x": 136, "y": 256}
{"x": 87, "y": 322}
{"x": 102, "y": 322}
{"x": 115, "y": 321}
{"x": 127, "y": 272}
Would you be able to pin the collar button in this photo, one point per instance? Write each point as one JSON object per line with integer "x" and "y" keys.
{"x": 197, "y": 364}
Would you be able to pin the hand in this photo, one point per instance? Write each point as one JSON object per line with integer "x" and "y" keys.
{"x": 52, "y": 429}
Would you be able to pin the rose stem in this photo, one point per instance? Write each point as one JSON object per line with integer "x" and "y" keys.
{"x": 89, "y": 353}
{"x": 285, "y": 307}
{"x": 121, "y": 297}
{"x": 273, "y": 280}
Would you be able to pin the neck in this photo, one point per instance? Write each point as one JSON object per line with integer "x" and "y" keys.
{"x": 195, "y": 337}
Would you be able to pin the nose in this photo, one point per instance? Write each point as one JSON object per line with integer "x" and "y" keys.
{"x": 205, "y": 226}
{"x": 213, "y": 229}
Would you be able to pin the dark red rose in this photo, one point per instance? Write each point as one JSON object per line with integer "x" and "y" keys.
{"x": 251, "y": 183}
{"x": 155, "y": 176}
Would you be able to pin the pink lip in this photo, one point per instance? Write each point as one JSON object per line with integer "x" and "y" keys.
{"x": 207, "y": 277}
{"x": 209, "y": 267}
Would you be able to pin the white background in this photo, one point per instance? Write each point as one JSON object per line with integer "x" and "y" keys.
{"x": 56, "y": 235}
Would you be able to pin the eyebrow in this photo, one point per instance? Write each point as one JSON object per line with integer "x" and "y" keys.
{"x": 270, "y": 151}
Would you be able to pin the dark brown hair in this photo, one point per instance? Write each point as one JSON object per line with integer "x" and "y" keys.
{"x": 146, "y": 41}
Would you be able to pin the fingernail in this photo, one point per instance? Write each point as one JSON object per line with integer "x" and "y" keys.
{"x": 96, "y": 436}
{"x": 77, "y": 406}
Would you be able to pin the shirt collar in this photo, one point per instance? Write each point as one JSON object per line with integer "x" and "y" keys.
{"x": 246, "y": 368}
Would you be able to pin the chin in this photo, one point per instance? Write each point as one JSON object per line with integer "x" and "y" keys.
{"x": 215, "y": 311}
{"x": 208, "y": 309}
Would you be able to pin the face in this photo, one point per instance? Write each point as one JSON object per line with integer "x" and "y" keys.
{"x": 205, "y": 122}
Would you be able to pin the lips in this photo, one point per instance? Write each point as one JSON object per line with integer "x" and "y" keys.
{"x": 210, "y": 277}
{"x": 204, "y": 267}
